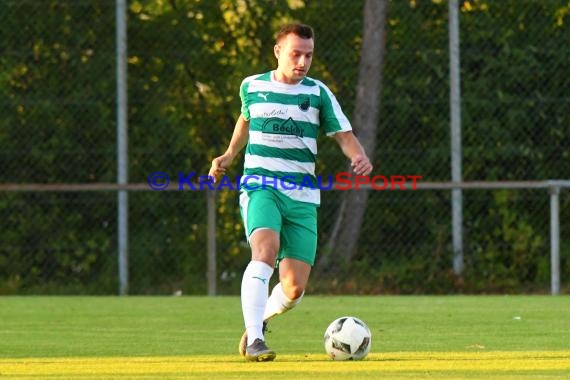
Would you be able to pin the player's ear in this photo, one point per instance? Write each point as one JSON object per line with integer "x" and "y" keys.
{"x": 276, "y": 50}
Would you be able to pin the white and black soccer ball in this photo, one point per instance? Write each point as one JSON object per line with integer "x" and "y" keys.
{"x": 348, "y": 338}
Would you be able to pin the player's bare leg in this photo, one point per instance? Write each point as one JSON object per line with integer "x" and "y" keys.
{"x": 293, "y": 276}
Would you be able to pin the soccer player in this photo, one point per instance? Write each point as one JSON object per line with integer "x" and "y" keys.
{"x": 281, "y": 114}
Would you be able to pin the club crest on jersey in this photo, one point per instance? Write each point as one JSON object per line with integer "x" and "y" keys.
{"x": 304, "y": 102}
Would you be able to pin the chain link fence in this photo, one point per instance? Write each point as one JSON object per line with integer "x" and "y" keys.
{"x": 186, "y": 59}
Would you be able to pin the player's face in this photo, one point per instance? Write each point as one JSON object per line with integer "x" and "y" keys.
{"x": 294, "y": 55}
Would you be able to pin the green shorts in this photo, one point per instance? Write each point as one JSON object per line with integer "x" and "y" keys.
{"x": 294, "y": 221}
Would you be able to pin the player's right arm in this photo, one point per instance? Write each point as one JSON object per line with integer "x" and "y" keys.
{"x": 237, "y": 143}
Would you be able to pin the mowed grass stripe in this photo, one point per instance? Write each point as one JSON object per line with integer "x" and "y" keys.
{"x": 180, "y": 326}
{"x": 425, "y": 337}
{"x": 314, "y": 365}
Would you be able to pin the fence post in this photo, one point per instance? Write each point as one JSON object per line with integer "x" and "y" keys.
{"x": 555, "y": 240}
{"x": 122, "y": 148}
{"x": 455, "y": 121}
{"x": 211, "y": 211}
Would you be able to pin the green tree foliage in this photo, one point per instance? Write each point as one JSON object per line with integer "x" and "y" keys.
{"x": 57, "y": 104}
{"x": 186, "y": 59}
{"x": 515, "y": 89}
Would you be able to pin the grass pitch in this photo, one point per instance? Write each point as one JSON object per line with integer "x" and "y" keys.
{"x": 505, "y": 337}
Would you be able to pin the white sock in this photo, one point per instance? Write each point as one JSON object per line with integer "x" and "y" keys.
{"x": 254, "y": 292}
{"x": 279, "y": 303}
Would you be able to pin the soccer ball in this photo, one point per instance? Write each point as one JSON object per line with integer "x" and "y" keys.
{"x": 348, "y": 338}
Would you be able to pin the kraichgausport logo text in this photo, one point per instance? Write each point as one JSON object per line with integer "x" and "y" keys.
{"x": 340, "y": 181}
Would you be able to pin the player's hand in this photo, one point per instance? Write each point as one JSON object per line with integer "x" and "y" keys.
{"x": 219, "y": 165}
{"x": 361, "y": 165}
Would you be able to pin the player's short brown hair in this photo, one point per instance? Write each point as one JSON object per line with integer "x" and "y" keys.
{"x": 301, "y": 30}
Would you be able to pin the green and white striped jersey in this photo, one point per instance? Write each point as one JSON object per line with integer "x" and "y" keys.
{"x": 284, "y": 121}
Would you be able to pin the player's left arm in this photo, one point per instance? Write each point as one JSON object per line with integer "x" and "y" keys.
{"x": 352, "y": 149}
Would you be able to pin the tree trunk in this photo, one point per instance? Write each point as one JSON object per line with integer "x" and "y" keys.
{"x": 342, "y": 244}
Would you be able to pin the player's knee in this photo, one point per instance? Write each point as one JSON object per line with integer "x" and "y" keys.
{"x": 264, "y": 246}
{"x": 293, "y": 291}
{"x": 265, "y": 254}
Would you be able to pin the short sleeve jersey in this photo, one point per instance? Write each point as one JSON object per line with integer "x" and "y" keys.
{"x": 284, "y": 122}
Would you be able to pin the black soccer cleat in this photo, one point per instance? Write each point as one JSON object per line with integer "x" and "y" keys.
{"x": 259, "y": 352}
{"x": 243, "y": 341}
